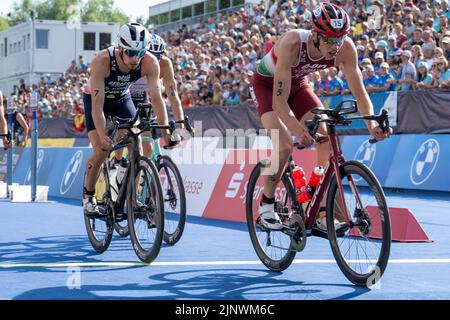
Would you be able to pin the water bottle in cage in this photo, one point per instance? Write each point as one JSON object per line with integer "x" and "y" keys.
{"x": 299, "y": 180}
{"x": 314, "y": 181}
{"x": 121, "y": 169}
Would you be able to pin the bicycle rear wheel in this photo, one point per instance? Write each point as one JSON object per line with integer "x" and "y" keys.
{"x": 145, "y": 211}
{"x": 362, "y": 249}
{"x": 174, "y": 200}
{"x": 100, "y": 229}
{"x": 273, "y": 247}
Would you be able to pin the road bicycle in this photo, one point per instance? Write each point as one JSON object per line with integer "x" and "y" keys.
{"x": 137, "y": 199}
{"x": 171, "y": 181}
{"x": 355, "y": 206}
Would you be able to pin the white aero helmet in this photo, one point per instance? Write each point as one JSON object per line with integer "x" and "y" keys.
{"x": 156, "y": 44}
{"x": 133, "y": 36}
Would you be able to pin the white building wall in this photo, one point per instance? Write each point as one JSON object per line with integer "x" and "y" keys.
{"x": 65, "y": 43}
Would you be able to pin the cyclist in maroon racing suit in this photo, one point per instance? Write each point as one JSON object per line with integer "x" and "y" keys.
{"x": 284, "y": 98}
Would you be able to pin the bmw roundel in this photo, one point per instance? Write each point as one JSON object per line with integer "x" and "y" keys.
{"x": 424, "y": 162}
{"x": 366, "y": 153}
{"x": 71, "y": 172}
{"x": 40, "y": 160}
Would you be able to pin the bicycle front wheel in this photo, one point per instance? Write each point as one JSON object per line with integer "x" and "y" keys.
{"x": 174, "y": 200}
{"x": 100, "y": 229}
{"x": 273, "y": 247}
{"x": 362, "y": 248}
{"x": 145, "y": 211}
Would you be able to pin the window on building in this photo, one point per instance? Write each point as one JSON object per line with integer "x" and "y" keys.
{"x": 175, "y": 15}
{"x": 24, "y": 43}
{"x": 89, "y": 41}
{"x": 6, "y": 47}
{"x": 164, "y": 18}
{"x": 199, "y": 9}
{"x": 154, "y": 20}
{"x": 187, "y": 12}
{"x": 211, "y": 6}
{"x": 223, "y": 4}
{"x": 238, "y": 2}
{"x": 42, "y": 39}
{"x": 105, "y": 40}
{"x": 19, "y": 46}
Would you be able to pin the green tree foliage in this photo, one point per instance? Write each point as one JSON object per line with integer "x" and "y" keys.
{"x": 4, "y": 24}
{"x": 20, "y": 12}
{"x": 103, "y": 11}
{"x": 57, "y": 9}
{"x": 89, "y": 11}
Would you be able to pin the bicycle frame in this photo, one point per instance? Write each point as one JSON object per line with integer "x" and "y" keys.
{"x": 332, "y": 166}
{"x": 129, "y": 173}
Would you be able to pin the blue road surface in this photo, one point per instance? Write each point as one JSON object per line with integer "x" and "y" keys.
{"x": 43, "y": 246}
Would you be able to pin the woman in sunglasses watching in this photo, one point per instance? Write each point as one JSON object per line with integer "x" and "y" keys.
{"x": 113, "y": 70}
{"x": 444, "y": 72}
{"x": 284, "y": 98}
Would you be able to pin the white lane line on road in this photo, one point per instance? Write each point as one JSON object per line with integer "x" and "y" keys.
{"x": 202, "y": 263}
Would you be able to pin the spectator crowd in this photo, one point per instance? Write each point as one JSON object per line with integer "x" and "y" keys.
{"x": 401, "y": 44}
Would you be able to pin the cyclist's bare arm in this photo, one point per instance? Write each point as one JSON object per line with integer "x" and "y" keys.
{"x": 170, "y": 85}
{"x": 348, "y": 59}
{"x": 21, "y": 120}
{"x": 3, "y": 126}
{"x": 286, "y": 51}
{"x": 99, "y": 71}
{"x": 151, "y": 70}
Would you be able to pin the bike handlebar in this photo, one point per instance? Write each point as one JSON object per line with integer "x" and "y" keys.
{"x": 7, "y": 136}
{"x": 313, "y": 125}
{"x": 144, "y": 125}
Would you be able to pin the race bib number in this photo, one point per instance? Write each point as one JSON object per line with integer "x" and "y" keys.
{"x": 337, "y": 23}
{"x": 34, "y": 101}
{"x": 10, "y": 105}
{"x": 317, "y": 12}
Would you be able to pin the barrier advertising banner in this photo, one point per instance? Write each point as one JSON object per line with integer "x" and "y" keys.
{"x": 227, "y": 200}
{"x": 62, "y": 169}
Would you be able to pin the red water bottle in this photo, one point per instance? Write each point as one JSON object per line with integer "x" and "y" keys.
{"x": 299, "y": 179}
{"x": 314, "y": 181}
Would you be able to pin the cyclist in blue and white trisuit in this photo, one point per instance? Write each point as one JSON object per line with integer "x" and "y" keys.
{"x": 138, "y": 90}
{"x": 113, "y": 71}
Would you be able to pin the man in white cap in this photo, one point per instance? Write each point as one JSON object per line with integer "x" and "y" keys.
{"x": 445, "y": 45}
{"x": 370, "y": 79}
{"x": 365, "y": 62}
{"x": 427, "y": 49}
{"x": 386, "y": 81}
{"x": 392, "y": 46}
{"x": 360, "y": 50}
{"x": 407, "y": 72}
{"x": 379, "y": 59}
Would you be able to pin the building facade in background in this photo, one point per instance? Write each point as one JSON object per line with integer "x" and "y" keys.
{"x": 54, "y": 45}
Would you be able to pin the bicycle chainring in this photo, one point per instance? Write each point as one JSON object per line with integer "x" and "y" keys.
{"x": 298, "y": 239}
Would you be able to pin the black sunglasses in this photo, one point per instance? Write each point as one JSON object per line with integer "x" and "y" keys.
{"x": 133, "y": 53}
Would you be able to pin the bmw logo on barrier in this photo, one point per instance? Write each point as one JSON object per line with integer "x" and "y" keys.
{"x": 425, "y": 161}
{"x": 40, "y": 160}
{"x": 71, "y": 172}
{"x": 366, "y": 154}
